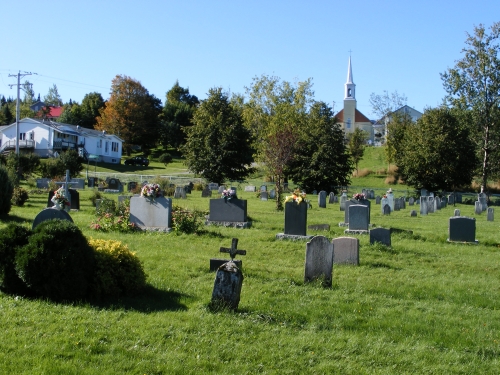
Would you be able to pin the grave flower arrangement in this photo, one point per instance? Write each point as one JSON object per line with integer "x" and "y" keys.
{"x": 358, "y": 196}
{"x": 297, "y": 197}
{"x": 151, "y": 191}
{"x": 229, "y": 194}
{"x": 59, "y": 199}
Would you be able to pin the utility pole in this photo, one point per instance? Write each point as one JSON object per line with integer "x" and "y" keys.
{"x": 18, "y": 75}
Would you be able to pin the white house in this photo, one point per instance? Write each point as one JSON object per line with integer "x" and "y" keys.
{"x": 45, "y": 138}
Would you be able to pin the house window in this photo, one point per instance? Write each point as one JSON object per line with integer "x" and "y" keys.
{"x": 106, "y": 147}
{"x": 22, "y": 136}
{"x": 114, "y": 146}
{"x": 32, "y": 136}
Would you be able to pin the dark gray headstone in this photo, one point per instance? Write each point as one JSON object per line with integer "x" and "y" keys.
{"x": 377, "y": 199}
{"x": 483, "y": 199}
{"x": 131, "y": 185}
{"x": 462, "y": 229}
{"x": 230, "y": 210}
{"x": 424, "y": 204}
{"x": 272, "y": 194}
{"x": 343, "y": 199}
{"x": 180, "y": 192}
{"x": 206, "y": 193}
{"x": 358, "y": 217}
{"x": 295, "y": 218}
{"x": 430, "y": 204}
{"x": 381, "y": 235}
{"x": 263, "y": 188}
{"x": 397, "y": 205}
{"x": 451, "y": 199}
{"x": 387, "y": 209}
{"x": 478, "y": 208}
{"x": 322, "y": 199}
{"x": 331, "y": 198}
{"x": 49, "y": 214}
{"x": 490, "y": 214}
{"x": 345, "y": 250}
{"x": 413, "y": 213}
{"x": 319, "y": 260}
{"x": 114, "y": 184}
{"x": 411, "y": 201}
{"x": 264, "y": 196}
{"x": 75, "y": 199}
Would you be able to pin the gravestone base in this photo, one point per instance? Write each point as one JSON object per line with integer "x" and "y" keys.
{"x": 112, "y": 191}
{"x": 233, "y": 224}
{"x": 356, "y": 231}
{"x": 216, "y": 263}
{"x": 292, "y": 237}
{"x": 319, "y": 227}
{"x": 153, "y": 229}
{"x": 342, "y": 224}
{"x": 475, "y": 242}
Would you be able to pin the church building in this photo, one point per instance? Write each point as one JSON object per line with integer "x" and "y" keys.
{"x": 350, "y": 118}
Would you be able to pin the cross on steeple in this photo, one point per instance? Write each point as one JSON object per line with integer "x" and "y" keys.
{"x": 232, "y": 250}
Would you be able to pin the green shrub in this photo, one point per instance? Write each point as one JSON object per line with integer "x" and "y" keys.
{"x": 112, "y": 218}
{"x": 12, "y": 238}
{"x": 198, "y": 187}
{"x": 118, "y": 271}
{"x": 184, "y": 221}
{"x": 57, "y": 262}
{"x": 165, "y": 158}
{"x": 107, "y": 206}
{"x": 19, "y": 196}
{"x": 6, "y": 190}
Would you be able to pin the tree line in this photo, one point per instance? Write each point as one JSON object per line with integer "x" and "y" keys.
{"x": 281, "y": 126}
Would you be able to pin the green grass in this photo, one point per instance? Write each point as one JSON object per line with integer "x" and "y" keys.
{"x": 423, "y": 306}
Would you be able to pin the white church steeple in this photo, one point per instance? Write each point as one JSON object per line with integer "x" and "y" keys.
{"x": 350, "y": 87}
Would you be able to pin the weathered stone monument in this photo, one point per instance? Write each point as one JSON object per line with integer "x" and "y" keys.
{"x": 319, "y": 260}
{"x": 345, "y": 250}
{"x": 151, "y": 214}
{"x": 322, "y": 199}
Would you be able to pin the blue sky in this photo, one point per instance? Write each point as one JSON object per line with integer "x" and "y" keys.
{"x": 396, "y": 45}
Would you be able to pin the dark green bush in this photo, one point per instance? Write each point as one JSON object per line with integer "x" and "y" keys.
{"x": 19, "y": 196}
{"x": 165, "y": 158}
{"x": 57, "y": 263}
{"x": 12, "y": 238}
{"x": 6, "y": 190}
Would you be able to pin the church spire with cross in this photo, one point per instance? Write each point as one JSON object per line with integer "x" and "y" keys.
{"x": 350, "y": 87}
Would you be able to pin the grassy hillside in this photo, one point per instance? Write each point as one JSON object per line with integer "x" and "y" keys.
{"x": 421, "y": 306}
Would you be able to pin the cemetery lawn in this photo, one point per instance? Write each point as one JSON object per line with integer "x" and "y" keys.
{"x": 423, "y": 306}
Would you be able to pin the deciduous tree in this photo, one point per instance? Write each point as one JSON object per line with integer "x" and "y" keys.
{"x": 474, "y": 84}
{"x": 437, "y": 152}
{"x": 177, "y": 116}
{"x": 218, "y": 145}
{"x": 357, "y": 144}
{"x": 53, "y": 98}
{"x": 131, "y": 113}
{"x": 322, "y": 160}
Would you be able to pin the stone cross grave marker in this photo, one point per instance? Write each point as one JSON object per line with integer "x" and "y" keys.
{"x": 65, "y": 184}
{"x": 233, "y": 251}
